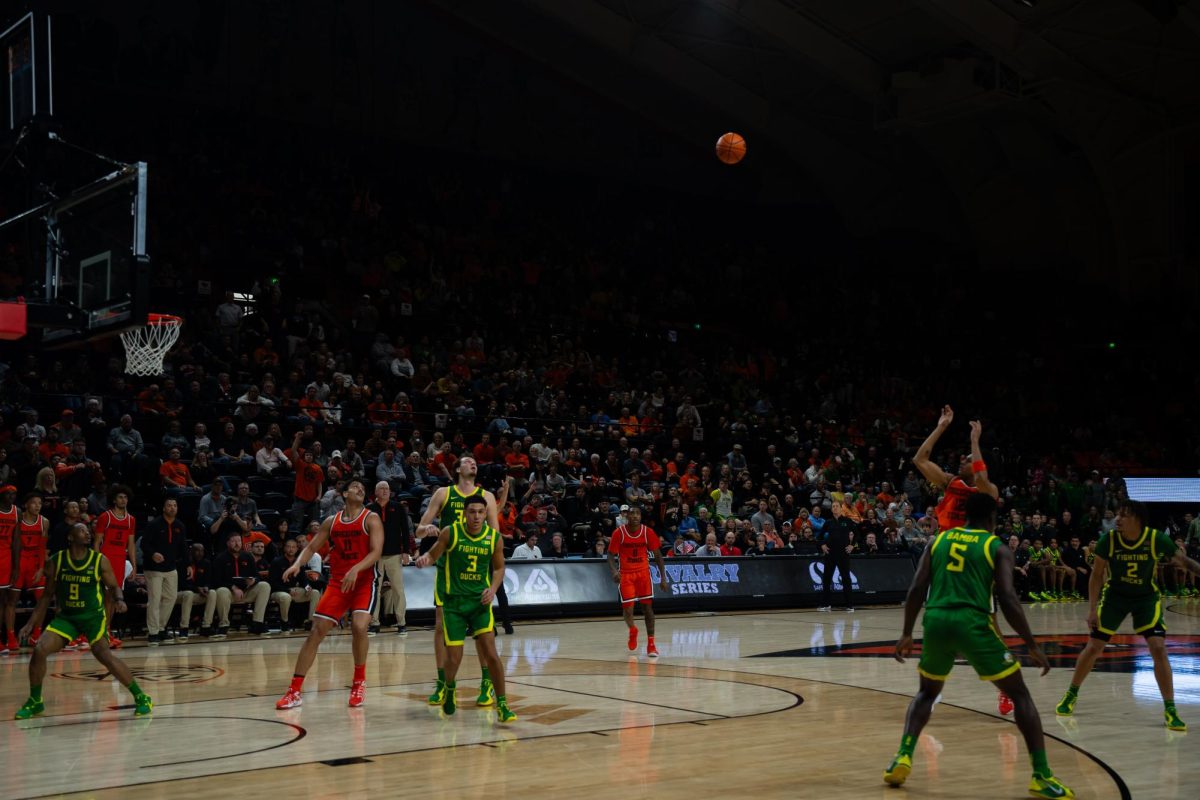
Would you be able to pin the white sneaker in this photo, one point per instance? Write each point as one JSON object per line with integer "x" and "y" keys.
{"x": 850, "y": 610}
{"x": 825, "y": 608}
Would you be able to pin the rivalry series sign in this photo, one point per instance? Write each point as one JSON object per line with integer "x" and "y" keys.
{"x": 577, "y": 586}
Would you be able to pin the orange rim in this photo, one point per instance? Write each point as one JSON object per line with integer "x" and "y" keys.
{"x": 163, "y": 319}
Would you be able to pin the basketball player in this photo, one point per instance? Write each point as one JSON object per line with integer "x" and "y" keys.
{"x": 77, "y": 578}
{"x": 355, "y": 537}
{"x": 448, "y": 505}
{"x": 9, "y": 542}
{"x": 472, "y": 564}
{"x": 951, "y": 511}
{"x": 958, "y": 573}
{"x": 628, "y": 546}
{"x": 116, "y": 529}
{"x": 1133, "y": 549}
{"x": 32, "y": 534}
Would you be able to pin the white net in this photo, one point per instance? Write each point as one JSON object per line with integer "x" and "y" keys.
{"x": 145, "y": 347}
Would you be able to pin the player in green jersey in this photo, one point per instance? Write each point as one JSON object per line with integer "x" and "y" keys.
{"x": 447, "y": 506}
{"x": 76, "y": 578}
{"x": 1132, "y": 551}
{"x": 471, "y": 560}
{"x": 958, "y": 573}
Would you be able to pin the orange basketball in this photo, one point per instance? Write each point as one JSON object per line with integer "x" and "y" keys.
{"x": 731, "y": 148}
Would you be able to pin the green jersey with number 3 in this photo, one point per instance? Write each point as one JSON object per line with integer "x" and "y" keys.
{"x": 451, "y": 512}
{"x": 468, "y": 568}
{"x": 1132, "y": 565}
{"x": 962, "y": 563}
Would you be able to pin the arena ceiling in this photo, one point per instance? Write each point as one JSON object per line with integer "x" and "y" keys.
{"x": 1057, "y": 131}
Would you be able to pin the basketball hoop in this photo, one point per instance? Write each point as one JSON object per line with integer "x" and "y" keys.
{"x": 145, "y": 347}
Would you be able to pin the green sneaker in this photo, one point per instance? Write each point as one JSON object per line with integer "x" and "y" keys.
{"x": 448, "y": 706}
{"x": 897, "y": 771}
{"x": 1066, "y": 706}
{"x": 32, "y": 708}
{"x": 1048, "y": 787}
{"x": 504, "y": 713}
{"x": 1077, "y": 597}
{"x": 487, "y": 694}
{"x": 1173, "y": 722}
{"x": 144, "y": 705}
{"x": 439, "y": 695}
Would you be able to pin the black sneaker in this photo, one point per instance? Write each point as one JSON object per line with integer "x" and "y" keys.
{"x": 154, "y": 639}
{"x": 508, "y": 628}
{"x": 308, "y": 624}
{"x": 166, "y": 637}
{"x": 182, "y": 636}
{"x": 402, "y": 630}
{"x": 373, "y": 630}
{"x": 222, "y": 632}
{"x": 206, "y": 632}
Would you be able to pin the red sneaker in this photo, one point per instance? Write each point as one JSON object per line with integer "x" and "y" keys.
{"x": 651, "y": 650}
{"x": 357, "y": 695}
{"x": 33, "y": 638}
{"x": 291, "y": 699}
{"x": 1006, "y": 705}
{"x": 114, "y": 643}
{"x": 633, "y": 638}
{"x": 82, "y": 643}
{"x": 12, "y": 647}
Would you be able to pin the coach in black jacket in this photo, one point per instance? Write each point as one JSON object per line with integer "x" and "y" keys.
{"x": 163, "y": 551}
{"x": 836, "y": 547}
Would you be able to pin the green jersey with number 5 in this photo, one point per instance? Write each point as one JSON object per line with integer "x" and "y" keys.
{"x": 962, "y": 564}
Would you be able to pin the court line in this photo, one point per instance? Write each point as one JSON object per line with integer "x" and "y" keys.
{"x": 607, "y": 697}
{"x": 1112, "y": 773}
{"x": 602, "y": 732}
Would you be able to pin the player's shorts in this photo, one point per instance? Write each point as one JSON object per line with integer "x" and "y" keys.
{"x": 635, "y": 587}
{"x": 969, "y": 633}
{"x": 115, "y": 559}
{"x": 1113, "y": 608}
{"x": 362, "y": 598}
{"x": 463, "y": 616}
{"x": 72, "y": 626}
{"x": 5, "y": 568}
{"x": 25, "y": 575}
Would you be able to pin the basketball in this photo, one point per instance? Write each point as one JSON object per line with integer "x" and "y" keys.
{"x": 731, "y": 148}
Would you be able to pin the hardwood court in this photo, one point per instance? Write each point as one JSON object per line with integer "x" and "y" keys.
{"x": 763, "y": 705}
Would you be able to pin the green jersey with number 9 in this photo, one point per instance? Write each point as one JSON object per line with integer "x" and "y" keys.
{"x": 962, "y": 564}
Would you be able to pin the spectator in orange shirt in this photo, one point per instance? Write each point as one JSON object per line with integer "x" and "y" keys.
{"x": 629, "y": 423}
{"x": 309, "y": 478}
{"x": 484, "y": 452}
{"x": 379, "y": 412}
{"x": 52, "y": 446}
{"x": 508, "y": 524}
{"x": 175, "y": 473}
{"x": 443, "y": 464}
{"x": 311, "y": 405}
{"x": 517, "y": 464}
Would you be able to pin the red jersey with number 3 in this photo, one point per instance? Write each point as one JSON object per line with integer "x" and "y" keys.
{"x": 116, "y": 533}
{"x": 631, "y": 548}
{"x": 349, "y": 543}
{"x": 952, "y": 511}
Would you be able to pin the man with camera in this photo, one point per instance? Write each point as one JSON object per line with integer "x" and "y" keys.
{"x": 234, "y": 579}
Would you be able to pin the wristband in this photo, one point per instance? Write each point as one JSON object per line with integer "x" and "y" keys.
{"x": 978, "y": 466}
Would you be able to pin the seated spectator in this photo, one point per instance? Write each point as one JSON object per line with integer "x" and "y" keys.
{"x": 391, "y": 469}
{"x": 270, "y": 460}
{"x": 245, "y": 510}
{"x": 68, "y": 431}
{"x": 527, "y": 549}
{"x": 332, "y": 501}
{"x": 174, "y": 438}
{"x": 126, "y": 449}
{"x": 558, "y": 548}
{"x": 418, "y": 481}
{"x": 212, "y": 506}
{"x": 231, "y": 447}
{"x": 175, "y": 473}
{"x": 234, "y": 580}
{"x": 774, "y": 540}
{"x": 684, "y": 546}
{"x": 352, "y": 462}
{"x": 203, "y": 472}
{"x": 729, "y": 547}
{"x": 688, "y": 526}
{"x": 709, "y": 549}
{"x": 760, "y": 546}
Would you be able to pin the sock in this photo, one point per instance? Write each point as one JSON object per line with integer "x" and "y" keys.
{"x": 297, "y": 682}
{"x": 486, "y": 675}
{"x": 35, "y": 693}
{"x": 650, "y": 638}
{"x": 360, "y": 673}
{"x": 1041, "y": 767}
{"x": 502, "y": 700}
{"x": 134, "y": 689}
{"x": 633, "y": 628}
{"x": 1074, "y": 690}
{"x": 908, "y": 743}
{"x": 441, "y": 677}
{"x": 1169, "y": 705}
{"x": 451, "y": 685}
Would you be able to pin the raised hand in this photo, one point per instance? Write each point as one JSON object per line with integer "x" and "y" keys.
{"x": 976, "y": 431}
{"x": 946, "y": 418}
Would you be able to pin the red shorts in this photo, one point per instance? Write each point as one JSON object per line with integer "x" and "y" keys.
{"x": 25, "y": 576}
{"x": 5, "y": 569}
{"x": 363, "y": 597}
{"x": 636, "y": 586}
{"x": 117, "y": 559}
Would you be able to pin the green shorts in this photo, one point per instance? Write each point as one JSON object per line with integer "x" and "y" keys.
{"x": 463, "y": 616}
{"x": 1113, "y": 608}
{"x": 954, "y": 632}
{"x": 71, "y": 627}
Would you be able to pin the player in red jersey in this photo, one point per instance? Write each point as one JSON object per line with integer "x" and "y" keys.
{"x": 9, "y": 542}
{"x": 355, "y": 537}
{"x": 116, "y": 530}
{"x": 32, "y": 534}
{"x": 629, "y": 546}
{"x": 971, "y": 478}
